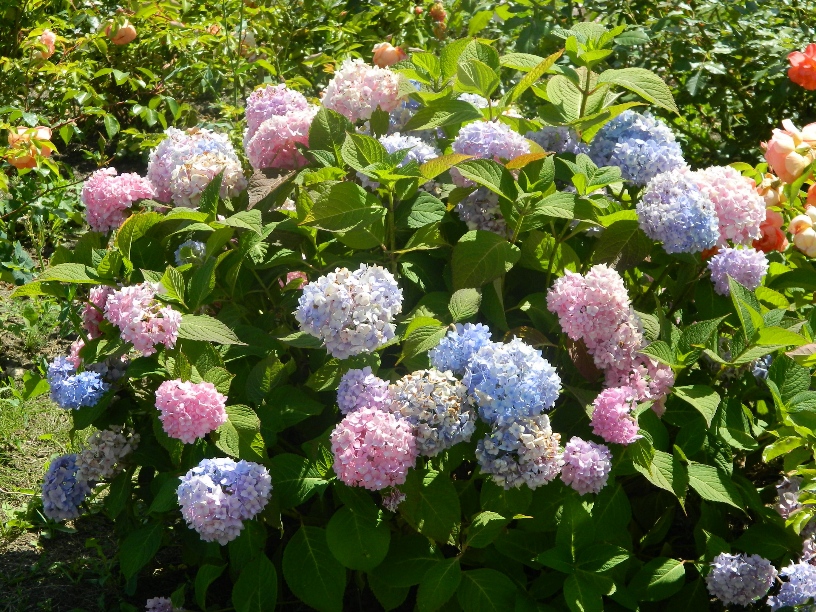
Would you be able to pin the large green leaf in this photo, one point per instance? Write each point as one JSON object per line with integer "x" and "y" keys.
{"x": 438, "y": 585}
{"x": 481, "y": 256}
{"x": 713, "y": 485}
{"x": 659, "y": 579}
{"x": 206, "y": 329}
{"x": 623, "y": 245}
{"x": 409, "y": 558}
{"x": 485, "y": 527}
{"x": 312, "y": 572}
{"x": 256, "y": 589}
{"x": 644, "y": 83}
{"x": 357, "y": 540}
{"x": 295, "y": 479}
{"x": 344, "y": 207}
{"x": 139, "y": 547}
{"x": 431, "y": 504}
{"x": 704, "y": 399}
{"x": 486, "y": 590}
{"x": 441, "y": 113}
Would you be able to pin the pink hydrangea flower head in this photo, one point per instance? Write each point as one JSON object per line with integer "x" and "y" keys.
{"x": 612, "y": 417}
{"x": 746, "y": 266}
{"x": 73, "y": 353}
{"x": 649, "y": 379}
{"x": 272, "y": 101}
{"x": 189, "y": 179}
{"x": 141, "y": 319}
{"x": 274, "y": 143}
{"x": 190, "y": 410}
{"x": 487, "y": 140}
{"x": 740, "y": 209}
{"x": 373, "y": 449}
{"x": 177, "y": 147}
{"x": 618, "y": 349}
{"x": 107, "y": 196}
{"x": 586, "y": 466}
{"x": 357, "y": 89}
{"x": 94, "y": 311}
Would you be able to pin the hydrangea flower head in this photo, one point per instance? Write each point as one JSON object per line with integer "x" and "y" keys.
{"x": 586, "y": 465}
{"x": 141, "y": 319}
{"x": 274, "y": 143}
{"x": 103, "y": 452}
{"x": 161, "y": 604}
{"x": 788, "y": 496}
{"x": 62, "y": 491}
{"x": 439, "y": 408}
{"x": 674, "y": 211}
{"x": 481, "y": 211}
{"x": 640, "y": 145}
{"x": 362, "y": 389}
{"x": 191, "y": 177}
{"x": 107, "y": 195}
{"x": 474, "y": 99}
{"x": 799, "y": 589}
{"x": 83, "y": 389}
{"x": 217, "y": 495}
{"x": 190, "y": 410}
{"x": 190, "y": 251}
{"x": 458, "y": 346}
{"x": 511, "y": 381}
{"x": 419, "y": 151}
{"x": 357, "y": 89}
{"x": 373, "y": 449}
{"x": 59, "y": 369}
{"x": 740, "y": 579}
{"x": 558, "y": 139}
{"x": 272, "y": 101}
{"x": 740, "y": 209}
{"x": 612, "y": 417}
{"x": 746, "y": 266}
{"x": 521, "y": 452}
{"x": 94, "y": 311}
{"x": 352, "y": 312}
{"x": 487, "y": 140}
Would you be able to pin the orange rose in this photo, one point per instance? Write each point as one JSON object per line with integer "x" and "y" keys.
{"x": 125, "y": 34}
{"x": 789, "y": 151}
{"x": 387, "y": 55}
{"x": 802, "y": 69}
{"x": 27, "y": 144}
{"x": 773, "y": 238}
{"x": 49, "y": 39}
{"x": 804, "y": 236}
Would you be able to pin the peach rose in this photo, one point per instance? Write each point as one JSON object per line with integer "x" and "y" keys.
{"x": 802, "y": 69}
{"x": 804, "y": 236}
{"x": 811, "y": 195}
{"x": 49, "y": 39}
{"x": 773, "y": 238}
{"x": 771, "y": 190}
{"x": 125, "y": 34}
{"x": 27, "y": 144}
{"x": 790, "y": 151}
{"x": 387, "y": 55}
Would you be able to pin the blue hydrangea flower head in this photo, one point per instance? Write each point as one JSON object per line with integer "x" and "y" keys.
{"x": 62, "y": 491}
{"x": 675, "y": 212}
{"x": 74, "y": 392}
{"x": 799, "y": 589}
{"x": 362, "y": 389}
{"x": 558, "y": 139}
{"x": 59, "y": 369}
{"x": 191, "y": 251}
{"x": 640, "y": 145}
{"x": 455, "y": 350}
{"x": 511, "y": 381}
{"x": 740, "y": 579}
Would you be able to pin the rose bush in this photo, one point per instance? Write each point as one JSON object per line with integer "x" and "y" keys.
{"x": 508, "y": 361}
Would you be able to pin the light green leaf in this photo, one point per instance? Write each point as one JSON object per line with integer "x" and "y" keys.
{"x": 703, "y": 398}
{"x": 644, "y": 83}
{"x": 206, "y": 329}
{"x": 481, "y": 256}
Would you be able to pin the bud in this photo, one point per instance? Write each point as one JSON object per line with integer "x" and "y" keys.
{"x": 418, "y": 10}
{"x": 771, "y": 190}
{"x": 123, "y": 35}
{"x": 26, "y": 144}
{"x": 439, "y": 30}
{"x": 438, "y": 13}
{"x": 387, "y": 55}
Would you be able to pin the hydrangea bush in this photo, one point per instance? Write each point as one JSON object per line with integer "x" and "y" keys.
{"x": 342, "y": 386}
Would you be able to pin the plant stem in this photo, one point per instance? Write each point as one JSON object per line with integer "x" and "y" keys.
{"x": 392, "y": 232}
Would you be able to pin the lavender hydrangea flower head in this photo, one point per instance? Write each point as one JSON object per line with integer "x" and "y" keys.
{"x": 71, "y": 391}
{"x": 481, "y": 211}
{"x": 62, "y": 490}
{"x": 161, "y": 604}
{"x": 439, "y": 408}
{"x": 487, "y": 140}
{"x": 269, "y": 101}
{"x": 362, "y": 389}
{"x": 675, "y": 212}
{"x": 190, "y": 251}
{"x": 586, "y": 465}
{"x": 746, "y": 266}
{"x": 511, "y": 381}
{"x": 740, "y": 209}
{"x": 475, "y": 99}
{"x": 558, "y": 139}
{"x": 740, "y": 579}
{"x": 392, "y": 501}
{"x": 458, "y": 346}
{"x": 640, "y": 145}
{"x": 352, "y": 312}
{"x": 217, "y": 495}
{"x": 788, "y": 496}
{"x": 799, "y": 589}
{"x": 521, "y": 452}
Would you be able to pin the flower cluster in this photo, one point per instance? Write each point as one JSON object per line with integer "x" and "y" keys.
{"x": 373, "y": 449}
{"x": 612, "y": 417}
{"x": 62, "y": 490}
{"x": 740, "y": 209}
{"x": 385, "y": 54}
{"x": 480, "y": 211}
{"x": 357, "y": 89}
{"x": 511, "y": 381}
{"x": 788, "y": 496}
{"x": 161, "y": 604}
{"x": 457, "y": 348}
{"x": 274, "y": 143}
{"x": 559, "y": 139}
{"x": 487, "y": 140}
{"x": 190, "y": 410}
{"x": 94, "y": 311}
{"x": 351, "y": 312}
{"x": 640, "y": 145}
{"x": 525, "y": 451}
{"x": 439, "y": 408}
{"x": 674, "y": 211}
{"x": 183, "y": 148}
{"x": 141, "y": 319}
{"x": 392, "y": 501}
{"x": 804, "y": 234}
{"x": 740, "y": 579}
{"x": 103, "y": 452}
{"x": 586, "y": 465}
{"x": 271, "y": 101}
{"x": 790, "y": 151}
{"x": 746, "y": 266}
{"x": 107, "y": 195}
{"x": 217, "y": 495}
{"x": 72, "y": 391}
{"x": 800, "y": 588}
{"x": 771, "y": 236}
{"x": 190, "y": 252}
{"x": 802, "y": 69}
{"x": 417, "y": 149}
{"x": 362, "y": 389}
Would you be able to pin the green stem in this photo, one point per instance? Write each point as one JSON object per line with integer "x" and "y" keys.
{"x": 392, "y": 232}
{"x": 653, "y": 287}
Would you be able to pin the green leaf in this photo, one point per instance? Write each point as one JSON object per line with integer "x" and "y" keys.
{"x": 490, "y": 174}
{"x": 166, "y": 498}
{"x": 477, "y": 77}
{"x": 69, "y": 273}
{"x": 486, "y": 590}
{"x": 464, "y": 304}
{"x": 789, "y": 376}
{"x": 644, "y": 83}
{"x": 139, "y": 547}
{"x": 532, "y": 77}
{"x": 659, "y": 579}
{"x": 660, "y": 351}
{"x": 703, "y": 398}
{"x": 246, "y": 219}
{"x": 575, "y": 531}
{"x": 287, "y": 406}
{"x": 431, "y": 504}
{"x": 360, "y": 151}
{"x": 442, "y": 112}
{"x": 480, "y": 256}
{"x": 256, "y": 589}
{"x": 602, "y": 557}
{"x": 295, "y": 478}
{"x": 206, "y": 329}
{"x": 111, "y": 125}
{"x": 623, "y": 245}
{"x": 421, "y": 339}
{"x": 344, "y": 207}
{"x": 665, "y": 471}
{"x": 778, "y": 336}
{"x": 119, "y": 495}
{"x": 581, "y": 594}
{"x": 390, "y": 597}
{"x": 485, "y": 528}
{"x": 423, "y": 209}
{"x": 713, "y": 485}
{"x": 311, "y": 571}
{"x": 211, "y": 196}
{"x": 438, "y": 585}
{"x": 520, "y": 61}
{"x": 204, "y": 578}
{"x": 328, "y": 131}
{"x": 695, "y": 337}
{"x": 746, "y": 305}
{"x": 409, "y": 558}
{"x": 237, "y": 437}
{"x": 266, "y": 375}
{"x": 202, "y": 284}
{"x": 436, "y": 166}
{"x": 358, "y": 541}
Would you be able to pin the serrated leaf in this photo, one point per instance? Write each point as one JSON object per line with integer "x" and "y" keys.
{"x": 443, "y": 112}
{"x": 438, "y": 585}
{"x": 206, "y": 329}
{"x": 481, "y": 256}
{"x": 312, "y": 572}
{"x": 703, "y": 398}
{"x": 623, "y": 245}
{"x": 484, "y": 528}
{"x": 431, "y": 504}
{"x": 464, "y": 304}
{"x": 358, "y": 541}
{"x": 712, "y": 485}
{"x": 139, "y": 547}
{"x": 644, "y": 83}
